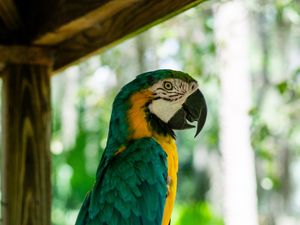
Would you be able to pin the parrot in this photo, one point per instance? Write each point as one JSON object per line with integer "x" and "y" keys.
{"x": 136, "y": 179}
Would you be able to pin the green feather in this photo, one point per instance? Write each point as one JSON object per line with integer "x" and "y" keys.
{"x": 114, "y": 203}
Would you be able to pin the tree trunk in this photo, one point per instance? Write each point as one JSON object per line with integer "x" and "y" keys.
{"x": 240, "y": 200}
{"x": 141, "y": 52}
{"x": 284, "y": 46}
{"x": 26, "y": 135}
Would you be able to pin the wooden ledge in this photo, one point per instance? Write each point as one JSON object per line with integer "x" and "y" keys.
{"x": 32, "y": 55}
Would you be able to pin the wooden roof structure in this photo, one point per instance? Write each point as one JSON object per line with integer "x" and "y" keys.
{"x": 37, "y": 39}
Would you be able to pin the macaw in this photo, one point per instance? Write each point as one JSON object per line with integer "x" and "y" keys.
{"x": 136, "y": 179}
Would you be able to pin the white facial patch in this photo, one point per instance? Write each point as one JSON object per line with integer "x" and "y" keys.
{"x": 171, "y": 94}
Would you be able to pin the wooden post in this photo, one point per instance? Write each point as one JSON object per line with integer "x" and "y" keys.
{"x": 26, "y": 186}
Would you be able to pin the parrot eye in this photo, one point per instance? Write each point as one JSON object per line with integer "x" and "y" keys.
{"x": 168, "y": 85}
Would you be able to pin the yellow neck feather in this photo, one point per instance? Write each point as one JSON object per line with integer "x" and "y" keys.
{"x": 136, "y": 115}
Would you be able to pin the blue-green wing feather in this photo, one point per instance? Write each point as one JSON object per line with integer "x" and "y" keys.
{"x": 130, "y": 189}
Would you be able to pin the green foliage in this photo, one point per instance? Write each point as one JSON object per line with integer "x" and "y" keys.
{"x": 282, "y": 87}
{"x": 200, "y": 214}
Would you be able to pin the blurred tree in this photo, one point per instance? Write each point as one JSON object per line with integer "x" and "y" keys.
{"x": 232, "y": 36}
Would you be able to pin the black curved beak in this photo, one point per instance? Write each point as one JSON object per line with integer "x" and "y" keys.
{"x": 194, "y": 109}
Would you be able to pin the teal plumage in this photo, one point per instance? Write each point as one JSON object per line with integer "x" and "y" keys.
{"x": 131, "y": 180}
{"x": 132, "y": 190}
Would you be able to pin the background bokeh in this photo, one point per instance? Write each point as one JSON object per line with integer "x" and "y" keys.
{"x": 83, "y": 95}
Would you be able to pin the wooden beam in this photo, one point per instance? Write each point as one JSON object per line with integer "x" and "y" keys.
{"x": 72, "y": 17}
{"x": 17, "y": 54}
{"x": 26, "y": 187}
{"x": 110, "y": 27}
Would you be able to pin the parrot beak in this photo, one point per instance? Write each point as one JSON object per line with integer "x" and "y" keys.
{"x": 193, "y": 109}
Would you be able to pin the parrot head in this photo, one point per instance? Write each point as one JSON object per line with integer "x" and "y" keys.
{"x": 158, "y": 101}
{"x": 177, "y": 102}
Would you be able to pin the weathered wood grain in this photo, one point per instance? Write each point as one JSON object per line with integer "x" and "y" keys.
{"x": 136, "y": 18}
{"x": 17, "y": 54}
{"x": 77, "y": 28}
{"x": 72, "y": 17}
{"x": 26, "y": 187}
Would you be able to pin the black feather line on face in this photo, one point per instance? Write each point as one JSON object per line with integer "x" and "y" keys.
{"x": 166, "y": 91}
{"x": 175, "y": 95}
{"x": 167, "y": 99}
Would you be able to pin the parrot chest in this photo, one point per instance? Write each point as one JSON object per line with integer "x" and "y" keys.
{"x": 169, "y": 146}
